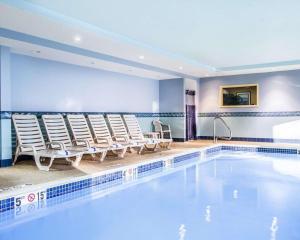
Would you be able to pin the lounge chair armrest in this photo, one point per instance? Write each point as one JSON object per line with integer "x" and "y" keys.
{"x": 27, "y": 146}
{"x": 165, "y": 127}
{"x": 60, "y": 144}
{"x": 115, "y": 137}
{"x": 107, "y": 140}
{"x": 86, "y": 142}
{"x": 151, "y": 134}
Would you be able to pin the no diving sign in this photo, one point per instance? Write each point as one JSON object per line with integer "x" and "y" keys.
{"x": 29, "y": 198}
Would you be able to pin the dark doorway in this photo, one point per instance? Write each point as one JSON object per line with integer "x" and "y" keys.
{"x": 190, "y": 111}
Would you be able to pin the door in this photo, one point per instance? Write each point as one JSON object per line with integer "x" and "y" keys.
{"x": 190, "y": 112}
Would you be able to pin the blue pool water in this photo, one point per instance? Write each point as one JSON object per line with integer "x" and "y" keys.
{"x": 234, "y": 196}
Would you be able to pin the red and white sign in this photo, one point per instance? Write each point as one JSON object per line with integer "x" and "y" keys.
{"x": 29, "y": 198}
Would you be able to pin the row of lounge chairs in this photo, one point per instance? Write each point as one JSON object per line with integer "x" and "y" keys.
{"x": 90, "y": 136}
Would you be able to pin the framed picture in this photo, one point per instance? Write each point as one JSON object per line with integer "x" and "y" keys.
{"x": 243, "y": 95}
{"x": 244, "y": 98}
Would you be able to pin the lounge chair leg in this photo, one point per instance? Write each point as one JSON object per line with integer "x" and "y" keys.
{"x": 122, "y": 153}
{"x": 130, "y": 150}
{"x": 77, "y": 161}
{"x": 16, "y": 156}
{"x": 37, "y": 159}
{"x": 141, "y": 150}
{"x": 103, "y": 155}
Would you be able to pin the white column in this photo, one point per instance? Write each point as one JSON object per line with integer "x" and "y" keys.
{"x": 5, "y": 107}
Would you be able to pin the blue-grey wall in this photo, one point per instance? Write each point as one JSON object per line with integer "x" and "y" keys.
{"x": 275, "y": 117}
{"x": 171, "y": 98}
{"x": 171, "y": 102}
{"x": 42, "y": 85}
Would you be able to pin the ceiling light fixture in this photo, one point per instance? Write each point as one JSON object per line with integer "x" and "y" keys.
{"x": 180, "y": 67}
{"x": 77, "y": 39}
{"x": 142, "y": 57}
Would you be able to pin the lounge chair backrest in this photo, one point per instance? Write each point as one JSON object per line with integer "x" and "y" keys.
{"x": 57, "y": 130}
{"x": 117, "y": 125}
{"x": 80, "y": 128}
{"x": 99, "y": 127}
{"x": 28, "y": 132}
{"x": 133, "y": 126}
{"x": 157, "y": 125}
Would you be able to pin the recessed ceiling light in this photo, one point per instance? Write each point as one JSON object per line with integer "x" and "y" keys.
{"x": 207, "y": 75}
{"x": 180, "y": 67}
{"x": 141, "y": 57}
{"x": 77, "y": 39}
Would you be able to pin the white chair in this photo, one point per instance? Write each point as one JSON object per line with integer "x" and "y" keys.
{"x": 30, "y": 142}
{"x": 102, "y": 135}
{"x": 120, "y": 133}
{"x": 164, "y": 130}
{"x": 82, "y": 134}
{"x": 151, "y": 140}
{"x": 57, "y": 132}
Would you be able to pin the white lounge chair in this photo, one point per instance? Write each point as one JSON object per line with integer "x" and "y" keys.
{"x": 82, "y": 134}
{"x": 151, "y": 140}
{"x": 102, "y": 135}
{"x": 30, "y": 142}
{"x": 163, "y": 129}
{"x": 120, "y": 133}
{"x": 57, "y": 132}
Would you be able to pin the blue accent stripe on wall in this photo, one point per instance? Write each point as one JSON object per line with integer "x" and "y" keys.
{"x": 6, "y": 33}
{"x": 250, "y": 114}
{"x": 7, "y": 114}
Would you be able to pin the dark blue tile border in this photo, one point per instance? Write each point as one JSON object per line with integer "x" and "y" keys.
{"x": 79, "y": 185}
{"x": 7, "y": 204}
{"x": 179, "y": 139}
{"x": 185, "y": 157}
{"x": 150, "y": 166}
{"x": 5, "y": 162}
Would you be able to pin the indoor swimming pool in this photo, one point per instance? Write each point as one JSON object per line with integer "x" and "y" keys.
{"x": 234, "y": 195}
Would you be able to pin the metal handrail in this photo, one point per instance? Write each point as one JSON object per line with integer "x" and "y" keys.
{"x": 226, "y": 126}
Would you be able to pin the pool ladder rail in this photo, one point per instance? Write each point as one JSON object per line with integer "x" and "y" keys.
{"x": 226, "y": 126}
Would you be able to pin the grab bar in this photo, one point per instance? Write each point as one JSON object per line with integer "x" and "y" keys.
{"x": 225, "y": 125}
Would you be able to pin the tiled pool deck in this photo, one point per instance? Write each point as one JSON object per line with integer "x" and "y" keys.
{"x": 26, "y": 173}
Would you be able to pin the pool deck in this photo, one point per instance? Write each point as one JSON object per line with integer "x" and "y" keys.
{"x": 25, "y": 172}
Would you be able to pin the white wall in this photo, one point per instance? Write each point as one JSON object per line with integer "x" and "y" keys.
{"x": 42, "y": 85}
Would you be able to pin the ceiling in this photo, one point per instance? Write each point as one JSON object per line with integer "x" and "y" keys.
{"x": 157, "y": 39}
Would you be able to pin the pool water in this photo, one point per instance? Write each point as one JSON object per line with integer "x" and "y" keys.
{"x": 234, "y": 196}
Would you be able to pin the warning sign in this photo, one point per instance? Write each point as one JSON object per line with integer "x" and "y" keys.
{"x": 30, "y": 197}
